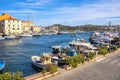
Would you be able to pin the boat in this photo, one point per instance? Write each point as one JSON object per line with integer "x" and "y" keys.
{"x": 2, "y": 38}
{"x": 60, "y": 58}
{"x": 9, "y": 37}
{"x": 36, "y": 34}
{"x": 26, "y": 35}
{"x": 2, "y": 65}
{"x": 42, "y": 62}
{"x": 60, "y": 53}
{"x": 78, "y": 43}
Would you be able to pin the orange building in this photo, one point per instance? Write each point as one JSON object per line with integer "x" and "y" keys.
{"x": 10, "y": 25}
{"x": 5, "y": 16}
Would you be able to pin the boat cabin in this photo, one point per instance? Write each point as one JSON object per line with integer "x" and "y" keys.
{"x": 46, "y": 59}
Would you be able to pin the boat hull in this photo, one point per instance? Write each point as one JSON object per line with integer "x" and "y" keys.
{"x": 39, "y": 64}
{"x": 2, "y": 65}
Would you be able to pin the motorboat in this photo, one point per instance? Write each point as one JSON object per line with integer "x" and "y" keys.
{"x": 2, "y": 65}
{"x": 60, "y": 58}
{"x": 27, "y": 35}
{"x": 9, "y": 37}
{"x": 42, "y": 62}
{"x": 2, "y": 38}
{"x": 60, "y": 53}
{"x": 36, "y": 34}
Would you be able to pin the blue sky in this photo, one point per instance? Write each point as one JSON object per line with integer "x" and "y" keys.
{"x": 67, "y": 12}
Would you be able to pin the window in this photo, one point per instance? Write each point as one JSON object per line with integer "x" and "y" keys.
{"x": 17, "y": 28}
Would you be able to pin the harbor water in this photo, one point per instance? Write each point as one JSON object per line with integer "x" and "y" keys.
{"x": 17, "y": 53}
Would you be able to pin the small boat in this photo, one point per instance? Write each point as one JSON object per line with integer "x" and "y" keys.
{"x": 9, "y": 37}
{"x": 36, "y": 34}
{"x": 60, "y": 53}
{"x": 2, "y": 65}
{"x": 27, "y": 35}
{"x": 42, "y": 62}
{"x": 60, "y": 58}
{"x": 2, "y": 38}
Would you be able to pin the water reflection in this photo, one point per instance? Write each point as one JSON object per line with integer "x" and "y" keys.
{"x": 10, "y": 42}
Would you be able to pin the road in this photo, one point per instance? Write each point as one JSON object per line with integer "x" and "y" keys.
{"x": 106, "y": 68}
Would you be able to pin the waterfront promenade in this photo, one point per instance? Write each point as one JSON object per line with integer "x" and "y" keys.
{"x": 106, "y": 68}
{"x": 100, "y": 68}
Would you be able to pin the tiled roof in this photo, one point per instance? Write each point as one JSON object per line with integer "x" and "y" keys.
{"x": 11, "y": 18}
{"x": 6, "y": 16}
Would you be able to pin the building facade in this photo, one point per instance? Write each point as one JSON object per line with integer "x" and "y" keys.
{"x": 27, "y": 26}
{"x": 10, "y": 25}
{"x": 35, "y": 29}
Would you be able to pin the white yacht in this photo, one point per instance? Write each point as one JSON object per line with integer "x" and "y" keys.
{"x": 9, "y": 37}
{"x": 2, "y": 38}
{"x": 26, "y": 35}
{"x": 36, "y": 34}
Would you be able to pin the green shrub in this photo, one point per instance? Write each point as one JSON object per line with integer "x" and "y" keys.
{"x": 74, "y": 64}
{"x": 115, "y": 48}
{"x": 17, "y": 76}
{"x": 11, "y": 76}
{"x": 43, "y": 71}
{"x": 103, "y": 51}
{"x": 52, "y": 69}
{"x": 91, "y": 55}
{"x": 75, "y": 60}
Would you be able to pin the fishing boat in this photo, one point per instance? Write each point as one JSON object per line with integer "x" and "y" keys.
{"x": 60, "y": 53}
{"x": 2, "y": 65}
{"x": 42, "y": 62}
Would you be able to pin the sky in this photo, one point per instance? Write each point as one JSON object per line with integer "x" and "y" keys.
{"x": 66, "y": 12}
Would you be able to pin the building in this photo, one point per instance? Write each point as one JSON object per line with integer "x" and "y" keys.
{"x": 35, "y": 29}
{"x": 55, "y": 29}
{"x": 10, "y": 25}
{"x": 27, "y": 26}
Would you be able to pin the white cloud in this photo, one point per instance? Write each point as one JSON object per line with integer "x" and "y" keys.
{"x": 20, "y": 11}
{"x": 33, "y": 3}
{"x": 98, "y": 12}
{"x": 90, "y": 12}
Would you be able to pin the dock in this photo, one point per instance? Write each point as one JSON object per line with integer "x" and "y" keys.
{"x": 33, "y": 77}
{"x": 40, "y": 76}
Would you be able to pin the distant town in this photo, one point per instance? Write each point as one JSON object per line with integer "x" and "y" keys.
{"x": 13, "y": 26}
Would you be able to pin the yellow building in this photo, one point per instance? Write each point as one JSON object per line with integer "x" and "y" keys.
{"x": 35, "y": 29}
{"x": 27, "y": 26}
{"x": 10, "y": 25}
